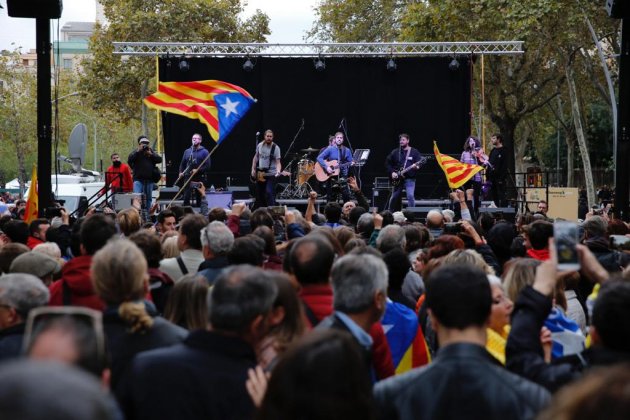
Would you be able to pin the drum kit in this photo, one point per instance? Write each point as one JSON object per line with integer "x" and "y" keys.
{"x": 298, "y": 186}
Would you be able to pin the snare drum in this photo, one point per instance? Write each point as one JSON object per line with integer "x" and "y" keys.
{"x": 306, "y": 169}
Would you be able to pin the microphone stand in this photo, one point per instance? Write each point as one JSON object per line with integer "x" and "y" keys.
{"x": 294, "y": 139}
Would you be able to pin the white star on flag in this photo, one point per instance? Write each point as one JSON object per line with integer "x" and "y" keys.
{"x": 229, "y": 107}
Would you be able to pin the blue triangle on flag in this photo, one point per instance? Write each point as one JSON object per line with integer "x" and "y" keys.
{"x": 231, "y": 107}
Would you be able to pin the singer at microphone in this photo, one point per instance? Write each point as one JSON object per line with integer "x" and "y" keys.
{"x": 336, "y": 160}
{"x": 191, "y": 165}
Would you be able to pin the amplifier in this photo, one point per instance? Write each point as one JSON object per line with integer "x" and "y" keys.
{"x": 122, "y": 201}
{"x": 381, "y": 182}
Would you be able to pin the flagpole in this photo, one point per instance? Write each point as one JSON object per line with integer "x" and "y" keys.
{"x": 191, "y": 175}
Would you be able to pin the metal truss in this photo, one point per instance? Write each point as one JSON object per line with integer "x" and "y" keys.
{"x": 393, "y": 49}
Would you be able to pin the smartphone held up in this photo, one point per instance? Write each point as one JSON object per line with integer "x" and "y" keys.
{"x": 565, "y": 236}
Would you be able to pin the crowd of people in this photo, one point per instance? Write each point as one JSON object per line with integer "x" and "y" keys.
{"x": 347, "y": 314}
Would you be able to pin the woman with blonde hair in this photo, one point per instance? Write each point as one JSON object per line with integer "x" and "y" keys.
{"x": 129, "y": 221}
{"x": 119, "y": 275}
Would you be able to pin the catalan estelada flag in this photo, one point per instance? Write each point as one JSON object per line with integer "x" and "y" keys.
{"x": 32, "y": 201}
{"x": 405, "y": 337}
{"x": 457, "y": 173}
{"x": 218, "y": 105}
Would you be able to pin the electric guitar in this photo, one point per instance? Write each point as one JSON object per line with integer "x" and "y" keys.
{"x": 322, "y": 175}
{"x": 261, "y": 176}
{"x": 416, "y": 165}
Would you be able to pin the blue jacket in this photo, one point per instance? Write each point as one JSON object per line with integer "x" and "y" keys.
{"x": 195, "y": 157}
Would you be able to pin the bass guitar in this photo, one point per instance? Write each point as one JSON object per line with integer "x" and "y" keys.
{"x": 322, "y": 175}
{"x": 416, "y": 165}
{"x": 261, "y": 176}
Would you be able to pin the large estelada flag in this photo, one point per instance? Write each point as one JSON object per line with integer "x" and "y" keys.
{"x": 218, "y": 105}
{"x": 457, "y": 173}
{"x": 32, "y": 201}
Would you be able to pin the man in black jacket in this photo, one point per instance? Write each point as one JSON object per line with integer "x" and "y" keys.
{"x": 142, "y": 161}
{"x": 204, "y": 377}
{"x": 402, "y": 159}
{"x": 497, "y": 171}
{"x": 464, "y": 380}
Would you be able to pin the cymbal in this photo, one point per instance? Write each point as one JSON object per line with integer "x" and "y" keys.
{"x": 310, "y": 150}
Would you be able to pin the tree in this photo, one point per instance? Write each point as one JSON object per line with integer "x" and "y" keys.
{"x": 118, "y": 84}
{"x": 18, "y": 129}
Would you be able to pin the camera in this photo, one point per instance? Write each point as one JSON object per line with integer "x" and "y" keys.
{"x": 276, "y": 211}
{"x": 452, "y": 228}
{"x": 50, "y": 212}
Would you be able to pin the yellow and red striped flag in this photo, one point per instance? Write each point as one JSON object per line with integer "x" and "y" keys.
{"x": 457, "y": 173}
{"x": 218, "y": 105}
{"x": 32, "y": 201}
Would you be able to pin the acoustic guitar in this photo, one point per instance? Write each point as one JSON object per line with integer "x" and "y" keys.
{"x": 322, "y": 175}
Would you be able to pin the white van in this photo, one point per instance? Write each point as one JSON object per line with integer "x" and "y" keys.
{"x": 76, "y": 189}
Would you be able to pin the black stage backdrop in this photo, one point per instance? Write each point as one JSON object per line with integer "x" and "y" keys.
{"x": 422, "y": 97}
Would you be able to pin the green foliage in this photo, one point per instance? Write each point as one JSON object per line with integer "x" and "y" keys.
{"x": 115, "y": 84}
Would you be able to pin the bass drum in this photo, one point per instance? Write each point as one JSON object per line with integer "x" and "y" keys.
{"x": 306, "y": 169}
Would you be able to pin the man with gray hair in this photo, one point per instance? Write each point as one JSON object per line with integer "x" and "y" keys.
{"x": 204, "y": 377}
{"x": 19, "y": 293}
{"x": 217, "y": 240}
{"x": 359, "y": 298}
{"x": 435, "y": 222}
{"x": 365, "y": 226}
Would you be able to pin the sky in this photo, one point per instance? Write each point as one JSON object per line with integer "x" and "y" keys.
{"x": 289, "y": 21}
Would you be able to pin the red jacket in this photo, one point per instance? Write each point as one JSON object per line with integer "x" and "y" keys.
{"x": 76, "y": 275}
{"x": 319, "y": 298}
{"x": 113, "y": 179}
{"x": 32, "y": 242}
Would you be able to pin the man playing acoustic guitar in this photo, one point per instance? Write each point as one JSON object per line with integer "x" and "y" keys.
{"x": 402, "y": 165}
{"x": 266, "y": 167}
{"x": 335, "y": 160}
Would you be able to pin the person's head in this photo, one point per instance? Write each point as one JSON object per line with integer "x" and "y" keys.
{"x": 96, "y": 230}
{"x": 344, "y": 234}
{"x": 595, "y": 226}
{"x": 116, "y": 160}
{"x": 187, "y": 304}
{"x": 497, "y": 140}
{"x": 25, "y": 396}
{"x": 247, "y": 250}
{"x": 390, "y": 237}
{"x": 144, "y": 140}
{"x": 347, "y": 206}
{"x": 129, "y": 221}
{"x": 435, "y": 219}
{"x": 467, "y": 257}
{"x": 150, "y": 246}
{"x": 216, "y": 239}
{"x": 218, "y": 214}
{"x": 360, "y": 285}
{"x": 337, "y": 385}
{"x": 19, "y": 293}
{"x": 119, "y": 275}
{"x": 471, "y": 144}
{"x": 519, "y": 273}
{"x": 268, "y": 138}
{"x": 403, "y": 140}
{"x": 40, "y": 265}
{"x": 241, "y": 301}
{"x": 355, "y": 214}
{"x": 338, "y": 138}
{"x": 167, "y": 221}
{"x": 332, "y": 211}
{"x": 458, "y": 297}
{"x": 190, "y": 232}
{"x": 196, "y": 139}
{"x": 16, "y": 231}
{"x": 502, "y": 306}
{"x": 500, "y": 237}
{"x": 399, "y": 218}
{"x": 10, "y": 252}
{"x": 443, "y": 245}
{"x": 311, "y": 259}
{"x": 538, "y": 233}
{"x": 611, "y": 317}
{"x": 261, "y": 217}
{"x": 542, "y": 207}
{"x": 398, "y": 266}
{"x": 49, "y": 248}
{"x": 365, "y": 223}
{"x": 38, "y": 228}
{"x": 286, "y": 319}
{"x": 170, "y": 247}
{"x": 266, "y": 235}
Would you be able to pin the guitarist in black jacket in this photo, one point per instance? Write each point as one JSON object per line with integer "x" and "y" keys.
{"x": 402, "y": 166}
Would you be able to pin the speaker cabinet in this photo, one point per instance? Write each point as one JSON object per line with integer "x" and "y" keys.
{"x": 50, "y": 9}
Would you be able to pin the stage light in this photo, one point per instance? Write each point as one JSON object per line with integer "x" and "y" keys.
{"x": 183, "y": 64}
{"x": 248, "y": 65}
{"x": 319, "y": 63}
{"x": 391, "y": 65}
{"x": 453, "y": 65}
